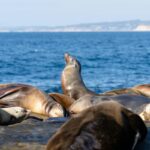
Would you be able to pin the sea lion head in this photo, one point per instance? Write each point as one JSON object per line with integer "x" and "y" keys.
{"x": 72, "y": 62}
{"x": 80, "y": 105}
{"x": 12, "y": 115}
{"x": 57, "y": 111}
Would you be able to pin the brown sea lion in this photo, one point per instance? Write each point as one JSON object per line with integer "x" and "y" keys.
{"x": 72, "y": 83}
{"x": 73, "y": 86}
{"x": 12, "y": 115}
{"x": 107, "y": 126}
{"x": 143, "y": 89}
{"x": 62, "y": 99}
{"x": 31, "y": 98}
{"x": 137, "y": 103}
{"x": 129, "y": 91}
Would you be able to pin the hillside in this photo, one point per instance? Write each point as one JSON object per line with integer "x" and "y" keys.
{"x": 133, "y": 25}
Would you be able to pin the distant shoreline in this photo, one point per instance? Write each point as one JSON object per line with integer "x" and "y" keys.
{"x": 122, "y": 26}
{"x": 74, "y": 31}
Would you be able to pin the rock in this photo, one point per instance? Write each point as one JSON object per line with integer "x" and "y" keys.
{"x": 29, "y": 134}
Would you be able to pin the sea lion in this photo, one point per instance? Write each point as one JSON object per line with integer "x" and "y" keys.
{"x": 129, "y": 91}
{"x": 143, "y": 89}
{"x": 31, "y": 98}
{"x": 72, "y": 83}
{"x": 107, "y": 126}
{"x": 13, "y": 115}
{"x": 137, "y": 103}
{"x": 73, "y": 86}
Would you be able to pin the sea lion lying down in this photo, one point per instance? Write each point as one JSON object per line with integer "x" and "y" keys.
{"x": 74, "y": 87}
{"x": 106, "y": 126}
{"x": 143, "y": 89}
{"x": 12, "y": 115}
{"x": 30, "y": 98}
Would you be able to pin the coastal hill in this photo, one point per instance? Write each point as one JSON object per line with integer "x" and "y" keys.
{"x": 122, "y": 26}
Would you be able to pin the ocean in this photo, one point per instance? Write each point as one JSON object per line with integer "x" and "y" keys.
{"x": 110, "y": 60}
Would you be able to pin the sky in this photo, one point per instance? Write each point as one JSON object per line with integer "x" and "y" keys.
{"x": 68, "y": 12}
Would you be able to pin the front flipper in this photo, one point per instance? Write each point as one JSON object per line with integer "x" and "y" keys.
{"x": 4, "y": 105}
{"x": 62, "y": 99}
{"x": 11, "y": 93}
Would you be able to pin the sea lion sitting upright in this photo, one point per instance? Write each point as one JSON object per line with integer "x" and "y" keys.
{"x": 72, "y": 83}
{"x": 106, "y": 126}
{"x": 30, "y": 98}
{"x": 12, "y": 115}
{"x": 73, "y": 86}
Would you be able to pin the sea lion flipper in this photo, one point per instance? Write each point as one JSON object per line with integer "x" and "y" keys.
{"x": 5, "y": 105}
{"x": 8, "y": 89}
{"x": 62, "y": 99}
{"x": 136, "y": 123}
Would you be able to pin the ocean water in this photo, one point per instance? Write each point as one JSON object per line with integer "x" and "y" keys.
{"x": 109, "y": 60}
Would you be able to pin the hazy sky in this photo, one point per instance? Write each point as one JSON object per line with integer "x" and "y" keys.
{"x": 65, "y": 12}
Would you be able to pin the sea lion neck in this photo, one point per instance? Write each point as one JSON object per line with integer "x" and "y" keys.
{"x": 73, "y": 84}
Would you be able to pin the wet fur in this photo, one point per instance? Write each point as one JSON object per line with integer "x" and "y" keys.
{"x": 107, "y": 126}
{"x": 29, "y": 97}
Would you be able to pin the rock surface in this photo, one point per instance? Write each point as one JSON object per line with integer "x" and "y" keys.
{"x": 34, "y": 134}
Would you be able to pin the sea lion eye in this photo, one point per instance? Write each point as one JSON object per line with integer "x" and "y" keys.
{"x": 75, "y": 65}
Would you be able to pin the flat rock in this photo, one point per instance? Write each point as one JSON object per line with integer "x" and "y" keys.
{"x": 29, "y": 134}
{"x": 34, "y": 134}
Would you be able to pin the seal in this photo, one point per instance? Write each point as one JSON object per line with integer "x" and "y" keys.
{"x": 106, "y": 126}
{"x": 136, "y": 103}
{"x": 13, "y": 115}
{"x": 30, "y": 98}
{"x": 72, "y": 83}
{"x": 74, "y": 87}
{"x": 129, "y": 91}
{"x": 143, "y": 89}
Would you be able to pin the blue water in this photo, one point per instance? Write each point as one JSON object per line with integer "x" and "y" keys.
{"x": 109, "y": 60}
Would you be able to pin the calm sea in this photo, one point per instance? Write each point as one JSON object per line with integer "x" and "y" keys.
{"x": 109, "y": 60}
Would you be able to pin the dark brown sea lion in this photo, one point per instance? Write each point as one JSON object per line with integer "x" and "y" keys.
{"x": 107, "y": 126}
{"x": 31, "y": 98}
{"x": 12, "y": 115}
{"x": 73, "y": 86}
